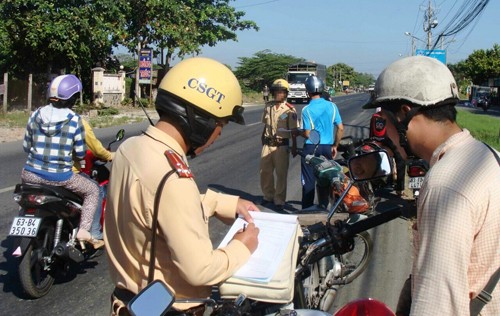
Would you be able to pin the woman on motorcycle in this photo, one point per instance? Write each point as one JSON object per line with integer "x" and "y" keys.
{"x": 53, "y": 133}
{"x": 100, "y": 152}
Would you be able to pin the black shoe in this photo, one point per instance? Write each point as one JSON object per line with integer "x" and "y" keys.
{"x": 281, "y": 208}
{"x": 266, "y": 202}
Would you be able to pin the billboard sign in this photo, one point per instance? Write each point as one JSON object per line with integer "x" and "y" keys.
{"x": 439, "y": 54}
{"x": 145, "y": 65}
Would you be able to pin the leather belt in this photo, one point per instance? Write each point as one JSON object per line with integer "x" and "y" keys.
{"x": 193, "y": 311}
{"x": 275, "y": 142}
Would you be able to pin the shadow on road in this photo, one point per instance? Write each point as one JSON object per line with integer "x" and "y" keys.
{"x": 9, "y": 276}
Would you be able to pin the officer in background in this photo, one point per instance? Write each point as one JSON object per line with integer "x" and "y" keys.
{"x": 265, "y": 93}
{"x": 150, "y": 175}
{"x": 323, "y": 116}
{"x": 278, "y": 114}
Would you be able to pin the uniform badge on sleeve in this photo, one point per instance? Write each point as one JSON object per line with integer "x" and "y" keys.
{"x": 178, "y": 164}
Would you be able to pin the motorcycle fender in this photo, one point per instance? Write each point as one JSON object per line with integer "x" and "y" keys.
{"x": 20, "y": 246}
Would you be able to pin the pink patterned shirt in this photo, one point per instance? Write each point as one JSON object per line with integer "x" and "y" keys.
{"x": 457, "y": 235}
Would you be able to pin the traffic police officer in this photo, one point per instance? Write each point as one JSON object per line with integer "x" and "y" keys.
{"x": 278, "y": 114}
{"x": 152, "y": 193}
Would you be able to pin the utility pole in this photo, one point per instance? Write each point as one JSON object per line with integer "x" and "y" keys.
{"x": 137, "y": 88}
{"x": 333, "y": 77}
{"x": 429, "y": 23}
{"x": 340, "y": 80}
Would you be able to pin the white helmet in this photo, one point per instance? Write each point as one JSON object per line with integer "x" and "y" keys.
{"x": 421, "y": 80}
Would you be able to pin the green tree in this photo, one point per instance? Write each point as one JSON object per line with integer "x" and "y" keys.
{"x": 339, "y": 72}
{"x": 483, "y": 64}
{"x": 46, "y": 35}
{"x": 181, "y": 27}
{"x": 263, "y": 68}
{"x": 459, "y": 71}
{"x": 362, "y": 79}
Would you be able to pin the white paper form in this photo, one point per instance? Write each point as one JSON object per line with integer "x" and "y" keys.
{"x": 276, "y": 231}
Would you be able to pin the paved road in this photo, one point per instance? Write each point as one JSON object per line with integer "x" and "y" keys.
{"x": 230, "y": 165}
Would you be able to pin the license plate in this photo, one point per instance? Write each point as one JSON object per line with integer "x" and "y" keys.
{"x": 25, "y": 226}
{"x": 416, "y": 182}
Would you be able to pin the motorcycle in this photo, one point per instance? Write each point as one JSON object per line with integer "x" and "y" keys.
{"x": 45, "y": 232}
{"x": 331, "y": 176}
{"x": 326, "y": 260}
{"x": 96, "y": 169}
{"x": 483, "y": 103}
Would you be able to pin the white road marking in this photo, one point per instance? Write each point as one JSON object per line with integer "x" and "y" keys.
{"x": 7, "y": 189}
{"x": 252, "y": 124}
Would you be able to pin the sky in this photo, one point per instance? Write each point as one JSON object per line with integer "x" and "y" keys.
{"x": 365, "y": 34}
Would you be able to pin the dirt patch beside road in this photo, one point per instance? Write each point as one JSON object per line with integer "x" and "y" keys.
{"x": 10, "y": 134}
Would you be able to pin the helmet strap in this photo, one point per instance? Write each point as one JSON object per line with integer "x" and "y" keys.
{"x": 196, "y": 128}
{"x": 201, "y": 130}
{"x": 402, "y": 127}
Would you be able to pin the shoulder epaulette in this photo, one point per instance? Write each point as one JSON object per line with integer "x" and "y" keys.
{"x": 290, "y": 106}
{"x": 178, "y": 164}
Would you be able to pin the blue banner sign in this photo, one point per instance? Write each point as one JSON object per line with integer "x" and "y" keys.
{"x": 439, "y": 54}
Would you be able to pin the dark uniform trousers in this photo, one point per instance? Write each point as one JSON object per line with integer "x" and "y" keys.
{"x": 308, "y": 179}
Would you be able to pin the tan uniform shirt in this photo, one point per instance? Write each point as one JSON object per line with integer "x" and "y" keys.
{"x": 285, "y": 116}
{"x": 185, "y": 257}
{"x": 457, "y": 236}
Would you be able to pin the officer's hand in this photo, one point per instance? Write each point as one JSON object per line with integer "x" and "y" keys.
{"x": 249, "y": 237}
{"x": 243, "y": 207}
{"x": 294, "y": 152}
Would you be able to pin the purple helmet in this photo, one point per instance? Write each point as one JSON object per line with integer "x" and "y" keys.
{"x": 64, "y": 87}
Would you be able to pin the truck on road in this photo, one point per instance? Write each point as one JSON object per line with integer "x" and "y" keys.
{"x": 297, "y": 75}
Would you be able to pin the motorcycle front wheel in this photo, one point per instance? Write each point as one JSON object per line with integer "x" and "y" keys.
{"x": 36, "y": 279}
{"x": 356, "y": 261}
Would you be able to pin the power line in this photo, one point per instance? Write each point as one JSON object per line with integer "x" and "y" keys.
{"x": 467, "y": 13}
{"x": 255, "y": 4}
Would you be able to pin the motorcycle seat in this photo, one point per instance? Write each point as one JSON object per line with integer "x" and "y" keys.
{"x": 48, "y": 189}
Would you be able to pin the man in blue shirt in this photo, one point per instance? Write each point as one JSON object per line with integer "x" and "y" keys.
{"x": 324, "y": 117}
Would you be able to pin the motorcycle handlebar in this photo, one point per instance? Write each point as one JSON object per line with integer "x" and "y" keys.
{"x": 373, "y": 221}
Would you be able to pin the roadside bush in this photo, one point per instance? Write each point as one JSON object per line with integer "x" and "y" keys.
{"x": 108, "y": 111}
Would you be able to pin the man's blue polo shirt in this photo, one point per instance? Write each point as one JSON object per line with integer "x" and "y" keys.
{"x": 321, "y": 115}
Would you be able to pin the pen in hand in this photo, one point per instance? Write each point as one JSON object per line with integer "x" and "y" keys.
{"x": 244, "y": 227}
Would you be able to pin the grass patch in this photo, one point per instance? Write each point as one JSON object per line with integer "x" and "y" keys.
{"x": 107, "y": 121}
{"x": 253, "y": 97}
{"x": 14, "y": 119}
{"x": 483, "y": 127}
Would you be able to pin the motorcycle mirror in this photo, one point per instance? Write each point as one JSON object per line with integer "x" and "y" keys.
{"x": 314, "y": 137}
{"x": 154, "y": 300}
{"x": 120, "y": 135}
{"x": 370, "y": 166}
